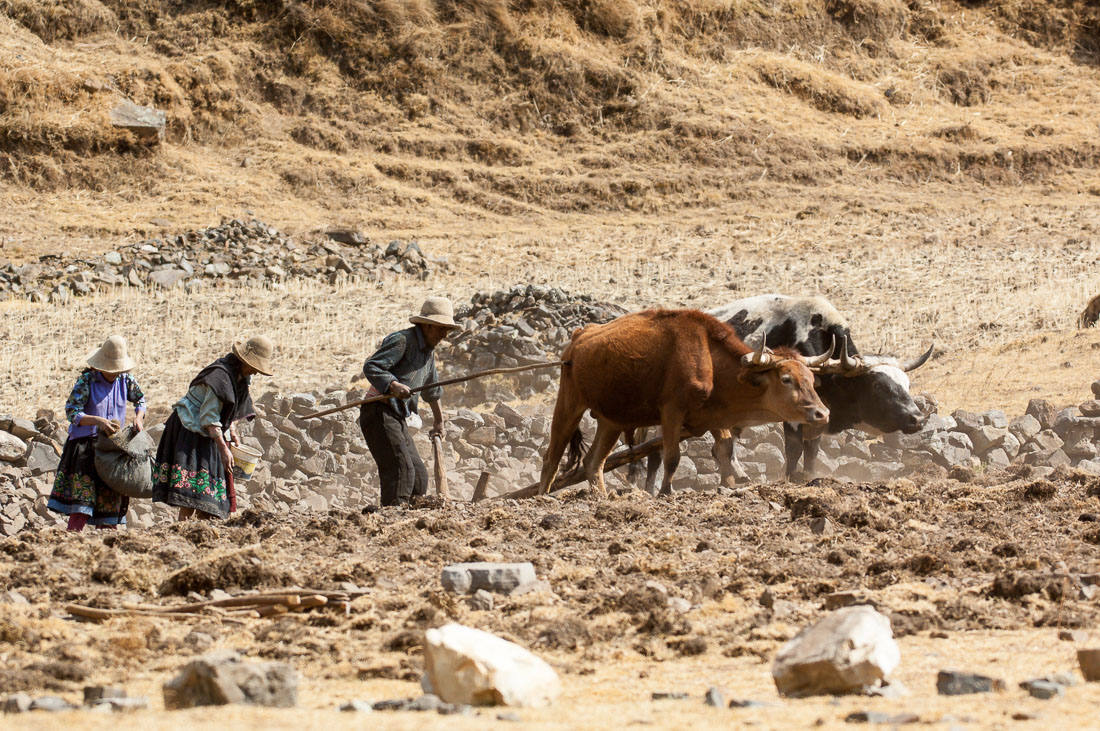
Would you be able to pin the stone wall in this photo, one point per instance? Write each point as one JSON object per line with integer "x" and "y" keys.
{"x": 514, "y": 327}
{"x": 315, "y": 465}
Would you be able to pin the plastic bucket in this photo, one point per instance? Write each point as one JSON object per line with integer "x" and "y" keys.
{"x": 245, "y": 460}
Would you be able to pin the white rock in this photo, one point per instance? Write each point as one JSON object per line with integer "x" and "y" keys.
{"x": 12, "y": 448}
{"x": 847, "y": 651}
{"x": 466, "y": 665}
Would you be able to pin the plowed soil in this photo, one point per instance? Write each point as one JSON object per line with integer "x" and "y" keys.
{"x": 999, "y": 557}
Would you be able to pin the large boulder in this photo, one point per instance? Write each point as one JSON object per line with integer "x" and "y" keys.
{"x": 467, "y": 666}
{"x": 845, "y": 652}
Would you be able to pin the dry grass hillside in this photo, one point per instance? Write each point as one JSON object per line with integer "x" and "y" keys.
{"x": 472, "y": 116}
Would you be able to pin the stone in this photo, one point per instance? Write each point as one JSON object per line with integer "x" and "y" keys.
{"x": 1073, "y": 635}
{"x": 468, "y": 666}
{"x": 845, "y": 652}
{"x": 347, "y": 236}
{"x": 840, "y": 599}
{"x": 666, "y": 695}
{"x": 512, "y": 418}
{"x": 198, "y": 640}
{"x": 892, "y": 689}
{"x": 1090, "y": 408}
{"x": 953, "y": 682}
{"x": 17, "y": 703}
{"x": 986, "y": 438}
{"x": 168, "y": 278}
{"x": 822, "y": 526}
{"x": 880, "y": 717}
{"x": 1089, "y": 660}
{"x": 748, "y": 703}
{"x": 99, "y": 692}
{"x": 1096, "y": 388}
{"x": 1043, "y": 411}
{"x": 41, "y": 459}
{"x": 223, "y": 678}
{"x": 997, "y": 458}
{"x": 51, "y": 703}
{"x": 481, "y": 601}
{"x": 1042, "y": 688}
{"x": 145, "y": 122}
{"x": 12, "y": 448}
{"x": 967, "y": 421}
{"x": 121, "y": 704}
{"x": 485, "y": 436}
{"x": 715, "y": 698}
{"x": 356, "y": 707}
{"x": 23, "y": 428}
{"x": 503, "y": 578}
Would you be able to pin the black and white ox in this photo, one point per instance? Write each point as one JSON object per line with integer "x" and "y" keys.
{"x": 866, "y": 392}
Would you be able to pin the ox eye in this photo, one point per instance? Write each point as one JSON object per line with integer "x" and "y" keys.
{"x": 786, "y": 380}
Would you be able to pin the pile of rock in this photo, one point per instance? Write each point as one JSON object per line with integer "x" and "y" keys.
{"x": 311, "y": 464}
{"x": 1043, "y": 438}
{"x": 29, "y": 451}
{"x": 513, "y": 327}
{"x": 247, "y": 251}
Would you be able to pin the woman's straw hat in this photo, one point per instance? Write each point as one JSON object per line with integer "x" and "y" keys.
{"x": 111, "y": 357}
{"x": 436, "y": 311}
{"x": 256, "y": 352}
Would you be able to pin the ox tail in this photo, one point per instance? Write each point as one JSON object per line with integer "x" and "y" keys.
{"x": 577, "y": 448}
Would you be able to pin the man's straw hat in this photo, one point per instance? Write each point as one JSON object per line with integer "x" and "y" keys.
{"x": 436, "y": 311}
{"x": 111, "y": 357}
{"x": 256, "y": 352}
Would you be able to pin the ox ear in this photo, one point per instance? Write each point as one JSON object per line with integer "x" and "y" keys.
{"x": 754, "y": 378}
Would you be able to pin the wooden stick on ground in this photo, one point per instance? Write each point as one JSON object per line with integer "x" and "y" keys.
{"x": 102, "y": 614}
{"x": 272, "y": 610}
{"x": 441, "y": 488}
{"x": 614, "y": 461}
{"x": 291, "y": 600}
{"x": 481, "y": 486}
{"x": 447, "y": 382}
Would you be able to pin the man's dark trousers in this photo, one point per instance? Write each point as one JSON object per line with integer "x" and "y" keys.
{"x": 400, "y": 468}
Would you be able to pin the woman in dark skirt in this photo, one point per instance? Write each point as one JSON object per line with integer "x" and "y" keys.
{"x": 98, "y": 402}
{"x": 194, "y": 469}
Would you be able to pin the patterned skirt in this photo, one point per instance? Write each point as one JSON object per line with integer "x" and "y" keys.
{"x": 189, "y": 472}
{"x": 78, "y": 489}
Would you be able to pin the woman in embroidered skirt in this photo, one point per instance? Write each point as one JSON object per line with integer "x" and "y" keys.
{"x": 98, "y": 402}
{"x": 194, "y": 469}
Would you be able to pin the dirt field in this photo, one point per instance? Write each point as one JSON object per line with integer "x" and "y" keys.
{"x": 967, "y": 585}
{"x": 931, "y": 166}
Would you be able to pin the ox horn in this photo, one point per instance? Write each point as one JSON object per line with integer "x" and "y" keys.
{"x": 819, "y": 360}
{"x": 915, "y": 363}
{"x": 759, "y": 358}
{"x": 850, "y": 366}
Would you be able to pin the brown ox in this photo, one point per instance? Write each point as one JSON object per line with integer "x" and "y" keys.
{"x": 680, "y": 369}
